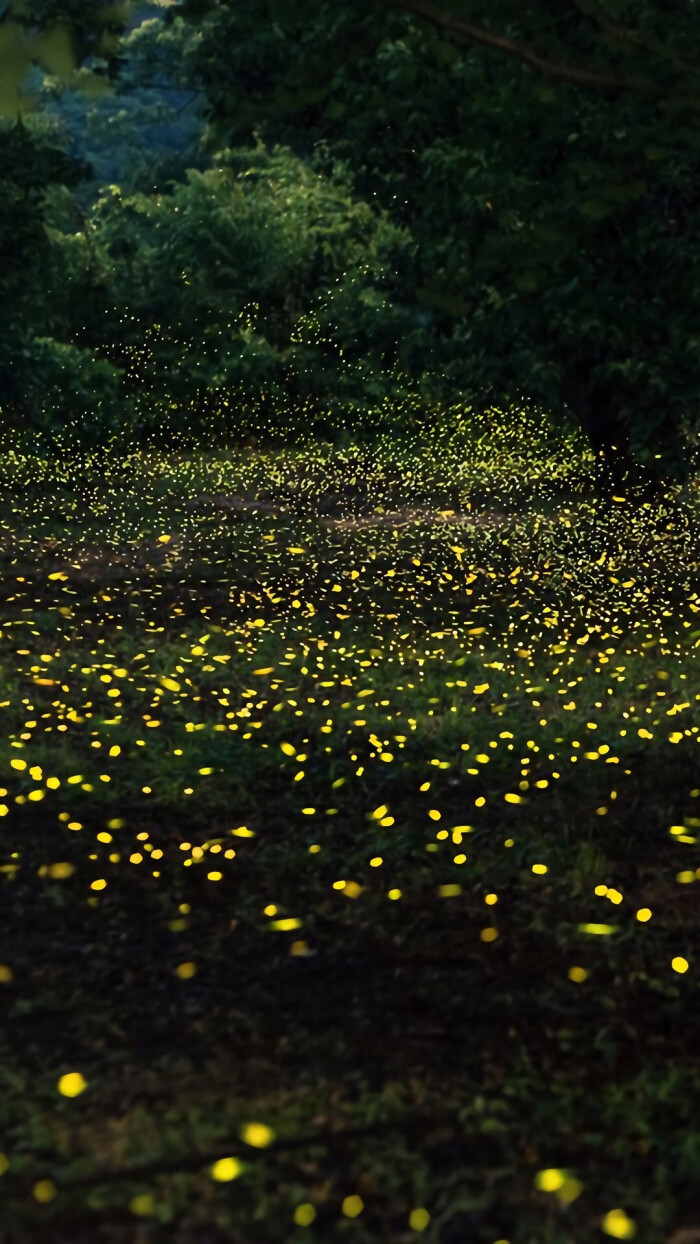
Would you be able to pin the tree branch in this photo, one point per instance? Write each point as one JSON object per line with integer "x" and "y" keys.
{"x": 526, "y": 55}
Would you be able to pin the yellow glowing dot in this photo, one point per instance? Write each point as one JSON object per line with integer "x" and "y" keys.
{"x": 72, "y": 1084}
{"x": 18, "y": 764}
{"x": 577, "y": 974}
{"x": 186, "y": 970}
{"x": 257, "y": 1134}
{"x": 142, "y": 1204}
{"x": 491, "y": 899}
{"x": 225, "y": 1169}
{"x": 271, "y": 910}
{"x": 434, "y": 814}
{"x": 99, "y": 884}
{"x": 212, "y": 876}
{"x": 114, "y": 751}
{"x": 511, "y": 798}
{"x": 449, "y": 891}
{"x": 60, "y": 871}
{"x": 679, "y": 964}
{"x": 304, "y": 1215}
{"x": 352, "y": 1206}
{"x": 376, "y": 861}
{"x": 44, "y": 1191}
{"x": 74, "y": 825}
{"x": 550, "y": 1180}
{"x": 617, "y": 1223}
{"x": 488, "y": 935}
{"x": 314, "y": 848}
{"x": 418, "y": 1219}
{"x": 394, "y": 894}
{"x": 644, "y": 914}
{"x": 539, "y": 868}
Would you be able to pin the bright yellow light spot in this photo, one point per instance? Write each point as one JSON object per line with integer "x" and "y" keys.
{"x": 488, "y": 935}
{"x": 550, "y": 1180}
{"x": 259, "y": 1135}
{"x": 394, "y": 894}
{"x": 491, "y": 899}
{"x": 282, "y": 926}
{"x": 164, "y": 539}
{"x": 226, "y": 1169}
{"x": 511, "y": 798}
{"x": 186, "y": 970}
{"x": 100, "y": 884}
{"x": 352, "y": 1206}
{"x": 60, "y": 871}
{"x": 71, "y": 1084}
{"x": 18, "y": 764}
{"x": 679, "y": 964}
{"x": 577, "y": 974}
{"x": 434, "y": 814}
{"x": 539, "y": 868}
{"x": 644, "y": 914}
{"x": 304, "y": 1215}
{"x": 376, "y": 861}
{"x": 601, "y": 929}
{"x": 418, "y": 1219}
{"x": 617, "y": 1223}
{"x": 380, "y": 812}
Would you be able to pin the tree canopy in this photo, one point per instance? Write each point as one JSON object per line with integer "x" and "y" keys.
{"x": 541, "y": 156}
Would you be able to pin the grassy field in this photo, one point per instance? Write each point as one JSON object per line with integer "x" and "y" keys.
{"x": 349, "y": 806}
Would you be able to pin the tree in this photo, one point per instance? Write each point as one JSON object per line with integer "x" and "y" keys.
{"x": 545, "y": 157}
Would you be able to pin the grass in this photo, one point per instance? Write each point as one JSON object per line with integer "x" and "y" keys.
{"x": 379, "y": 834}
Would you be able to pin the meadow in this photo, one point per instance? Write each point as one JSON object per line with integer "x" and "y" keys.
{"x": 349, "y": 810}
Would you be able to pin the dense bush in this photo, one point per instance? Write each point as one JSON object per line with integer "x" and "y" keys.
{"x": 257, "y": 286}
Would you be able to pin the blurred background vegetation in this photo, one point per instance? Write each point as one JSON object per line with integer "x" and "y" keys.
{"x": 274, "y": 217}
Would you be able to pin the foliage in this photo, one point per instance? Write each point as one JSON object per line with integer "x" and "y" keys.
{"x": 29, "y": 165}
{"x": 554, "y": 215}
{"x": 258, "y": 274}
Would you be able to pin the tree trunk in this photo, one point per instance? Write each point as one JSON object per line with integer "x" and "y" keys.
{"x": 616, "y": 471}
